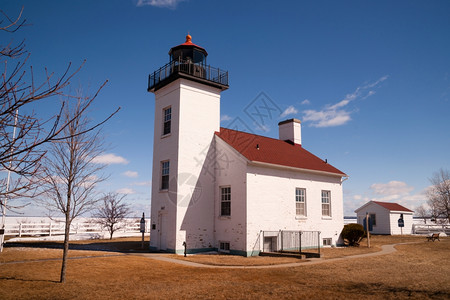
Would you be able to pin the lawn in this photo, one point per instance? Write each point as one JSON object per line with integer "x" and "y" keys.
{"x": 418, "y": 271}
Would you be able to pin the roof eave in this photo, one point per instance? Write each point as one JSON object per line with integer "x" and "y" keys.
{"x": 401, "y": 211}
{"x": 269, "y": 165}
{"x": 385, "y": 208}
{"x": 366, "y": 204}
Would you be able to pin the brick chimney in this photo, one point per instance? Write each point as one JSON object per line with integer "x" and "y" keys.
{"x": 290, "y": 130}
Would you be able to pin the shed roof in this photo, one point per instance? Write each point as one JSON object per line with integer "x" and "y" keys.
{"x": 387, "y": 205}
{"x": 392, "y": 206}
{"x": 257, "y": 148}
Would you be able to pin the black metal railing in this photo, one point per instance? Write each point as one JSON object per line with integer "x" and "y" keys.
{"x": 201, "y": 71}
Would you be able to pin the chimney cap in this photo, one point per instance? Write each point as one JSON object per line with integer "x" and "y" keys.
{"x": 289, "y": 121}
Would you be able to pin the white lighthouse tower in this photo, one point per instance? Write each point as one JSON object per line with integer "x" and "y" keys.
{"x": 187, "y": 114}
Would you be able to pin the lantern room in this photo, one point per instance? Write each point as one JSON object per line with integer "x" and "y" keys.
{"x": 188, "y": 52}
{"x": 188, "y": 61}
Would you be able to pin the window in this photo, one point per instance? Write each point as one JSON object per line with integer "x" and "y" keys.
{"x": 165, "y": 166}
{"x": 300, "y": 202}
{"x": 373, "y": 218}
{"x": 224, "y": 246}
{"x": 326, "y": 207}
{"x": 326, "y": 242}
{"x": 167, "y": 117}
{"x": 225, "y": 201}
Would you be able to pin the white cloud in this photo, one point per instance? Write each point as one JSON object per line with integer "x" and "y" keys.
{"x": 89, "y": 181}
{"x": 370, "y": 93}
{"x": 92, "y": 178}
{"x": 126, "y": 191}
{"x": 109, "y": 159}
{"x": 393, "y": 191}
{"x": 392, "y": 188}
{"x": 336, "y": 114}
{"x": 225, "y": 118}
{"x": 305, "y": 102}
{"x": 159, "y": 3}
{"x": 326, "y": 118}
{"x": 398, "y": 192}
{"x": 289, "y": 111}
{"x": 131, "y": 174}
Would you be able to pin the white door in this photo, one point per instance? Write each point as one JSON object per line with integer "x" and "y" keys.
{"x": 270, "y": 244}
{"x": 162, "y": 232}
{"x": 267, "y": 244}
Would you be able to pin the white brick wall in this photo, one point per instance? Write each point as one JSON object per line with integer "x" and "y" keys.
{"x": 271, "y": 202}
{"x": 231, "y": 171}
{"x": 188, "y": 206}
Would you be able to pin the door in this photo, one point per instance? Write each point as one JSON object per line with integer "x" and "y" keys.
{"x": 162, "y": 232}
{"x": 270, "y": 244}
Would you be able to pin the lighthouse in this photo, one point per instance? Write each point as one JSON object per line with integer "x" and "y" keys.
{"x": 187, "y": 115}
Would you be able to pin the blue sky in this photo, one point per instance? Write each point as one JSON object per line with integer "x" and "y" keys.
{"x": 370, "y": 80}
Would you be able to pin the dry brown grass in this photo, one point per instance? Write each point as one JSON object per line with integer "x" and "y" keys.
{"x": 418, "y": 271}
{"x": 53, "y": 250}
{"x": 327, "y": 253}
{"x": 232, "y": 260}
{"x": 376, "y": 242}
{"x": 27, "y": 254}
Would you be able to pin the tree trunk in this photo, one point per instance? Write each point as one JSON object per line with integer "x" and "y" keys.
{"x": 66, "y": 249}
{"x": 67, "y": 228}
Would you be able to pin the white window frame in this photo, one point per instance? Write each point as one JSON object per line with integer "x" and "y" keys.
{"x": 225, "y": 197}
{"x": 166, "y": 118}
{"x": 165, "y": 171}
{"x": 326, "y": 203}
{"x": 300, "y": 202}
{"x": 327, "y": 242}
{"x": 224, "y": 246}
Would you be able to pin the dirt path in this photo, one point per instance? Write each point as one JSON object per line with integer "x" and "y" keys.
{"x": 385, "y": 249}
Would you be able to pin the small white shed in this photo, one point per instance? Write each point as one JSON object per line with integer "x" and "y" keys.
{"x": 385, "y": 216}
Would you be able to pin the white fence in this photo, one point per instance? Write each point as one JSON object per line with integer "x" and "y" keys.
{"x": 57, "y": 228}
{"x": 426, "y": 229}
{"x": 419, "y": 227}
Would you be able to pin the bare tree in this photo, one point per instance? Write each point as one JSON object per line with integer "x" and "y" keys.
{"x": 439, "y": 194}
{"x": 22, "y": 133}
{"x": 422, "y": 212}
{"x": 112, "y": 212}
{"x": 70, "y": 174}
{"x": 21, "y": 154}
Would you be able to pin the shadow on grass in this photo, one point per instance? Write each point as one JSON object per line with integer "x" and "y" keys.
{"x": 26, "y": 280}
{"x": 372, "y": 289}
{"x": 113, "y": 246}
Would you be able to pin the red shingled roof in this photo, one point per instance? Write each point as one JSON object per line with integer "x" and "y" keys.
{"x": 272, "y": 151}
{"x": 392, "y": 206}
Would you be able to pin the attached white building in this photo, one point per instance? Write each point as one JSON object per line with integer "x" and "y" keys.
{"x": 385, "y": 216}
{"x": 219, "y": 189}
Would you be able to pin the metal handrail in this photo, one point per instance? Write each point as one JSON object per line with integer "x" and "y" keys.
{"x": 202, "y": 71}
